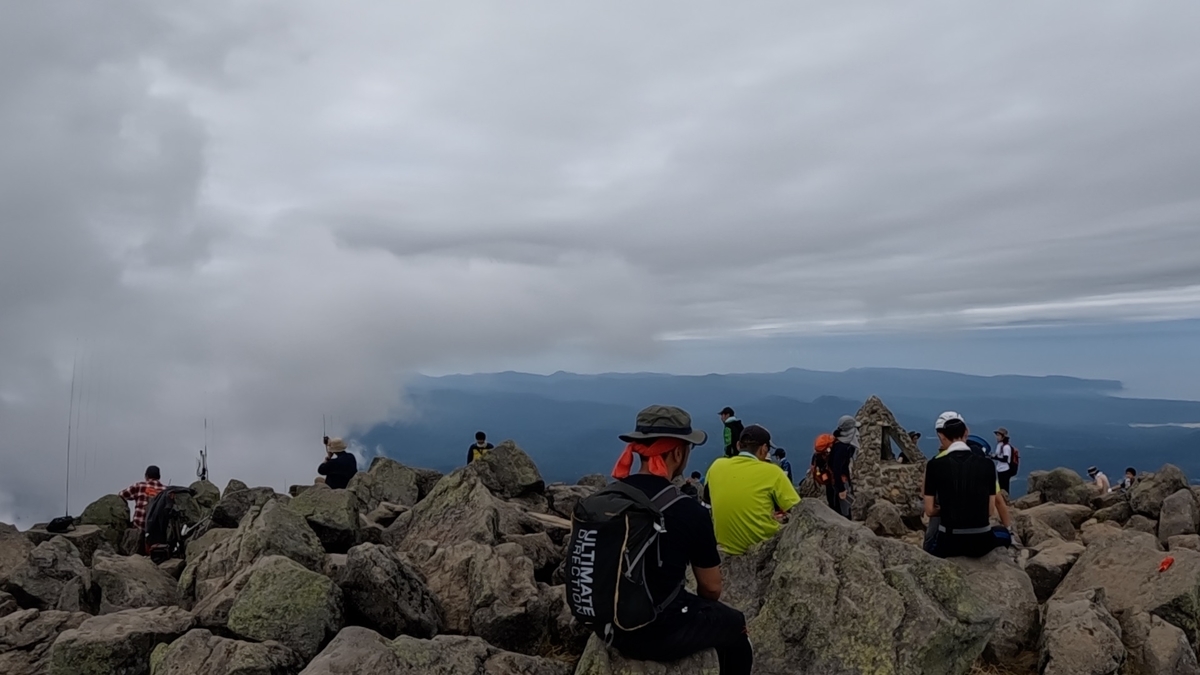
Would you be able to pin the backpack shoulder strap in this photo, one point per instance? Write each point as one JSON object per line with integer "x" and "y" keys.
{"x": 667, "y": 497}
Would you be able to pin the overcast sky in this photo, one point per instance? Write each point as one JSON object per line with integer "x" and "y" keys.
{"x": 262, "y": 212}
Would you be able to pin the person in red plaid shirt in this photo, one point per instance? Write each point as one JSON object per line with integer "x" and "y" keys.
{"x": 141, "y": 494}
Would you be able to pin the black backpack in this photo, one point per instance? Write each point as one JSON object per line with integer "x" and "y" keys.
{"x": 614, "y": 535}
{"x": 166, "y": 517}
{"x": 60, "y": 525}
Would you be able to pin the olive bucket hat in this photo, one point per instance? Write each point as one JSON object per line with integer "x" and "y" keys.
{"x": 665, "y": 421}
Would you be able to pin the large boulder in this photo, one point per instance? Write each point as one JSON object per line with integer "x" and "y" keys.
{"x": 541, "y": 549}
{"x": 199, "y": 652}
{"x": 52, "y": 576}
{"x": 1117, "y": 513}
{"x": 117, "y": 644}
{"x": 270, "y": 529}
{"x": 234, "y": 485}
{"x": 1007, "y": 589}
{"x": 426, "y": 480}
{"x": 87, "y": 539}
{"x": 386, "y": 594}
{"x": 1047, "y": 569}
{"x": 508, "y": 472}
{"x": 26, "y": 637}
{"x": 1155, "y": 647}
{"x": 285, "y": 602}
{"x": 1075, "y": 514}
{"x": 563, "y": 498}
{"x": 14, "y": 547}
{"x": 1081, "y": 637}
{"x": 1061, "y": 486}
{"x": 460, "y": 509}
{"x": 235, "y": 505}
{"x": 110, "y": 513}
{"x": 600, "y": 660}
{"x": 207, "y": 494}
{"x": 1127, "y": 566}
{"x": 360, "y": 651}
{"x": 131, "y": 582}
{"x": 829, "y": 594}
{"x": 332, "y": 514}
{"x": 1140, "y": 523}
{"x": 883, "y": 518}
{"x": 1178, "y": 515}
{"x": 386, "y": 481}
{"x": 209, "y": 539}
{"x": 1036, "y": 532}
{"x": 1028, "y": 501}
{"x": 1149, "y": 493}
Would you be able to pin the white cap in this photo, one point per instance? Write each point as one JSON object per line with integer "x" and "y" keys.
{"x": 947, "y": 416}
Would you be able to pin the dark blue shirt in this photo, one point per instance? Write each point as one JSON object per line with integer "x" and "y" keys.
{"x": 339, "y": 470}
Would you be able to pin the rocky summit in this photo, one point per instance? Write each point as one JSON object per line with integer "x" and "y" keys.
{"x": 409, "y": 571}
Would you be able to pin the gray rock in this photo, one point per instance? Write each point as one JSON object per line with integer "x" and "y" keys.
{"x": 87, "y": 539}
{"x": 173, "y": 568}
{"x": 53, "y": 576}
{"x": 1178, "y": 515}
{"x": 1155, "y": 647}
{"x": 1028, "y": 501}
{"x": 206, "y": 541}
{"x": 26, "y": 637}
{"x": 285, "y": 602}
{"x": 131, "y": 583}
{"x": 1075, "y": 514}
{"x": 600, "y": 660}
{"x": 508, "y": 472}
{"x": 593, "y": 480}
{"x": 883, "y": 518}
{"x": 1049, "y": 567}
{"x": 539, "y": 548}
{"x": 1092, "y": 533}
{"x": 386, "y": 513}
{"x": 234, "y": 505}
{"x": 867, "y": 604}
{"x": 1147, "y": 496}
{"x": 1081, "y": 637}
{"x": 361, "y": 651}
{"x": 1188, "y": 541}
{"x": 1140, "y": 523}
{"x": 1036, "y": 532}
{"x": 386, "y": 594}
{"x": 386, "y": 481}
{"x": 297, "y": 490}
{"x": 426, "y": 480}
{"x": 234, "y": 485}
{"x": 332, "y": 515}
{"x": 131, "y": 542}
{"x": 460, "y": 508}
{"x": 1061, "y": 486}
{"x": 117, "y": 644}
{"x": 8, "y": 604}
{"x": 111, "y": 514}
{"x": 1007, "y": 589}
{"x": 563, "y": 498}
{"x": 1126, "y": 565}
{"x": 199, "y": 652}
{"x": 1108, "y": 499}
{"x": 14, "y": 547}
{"x": 207, "y": 494}
{"x": 1118, "y": 513}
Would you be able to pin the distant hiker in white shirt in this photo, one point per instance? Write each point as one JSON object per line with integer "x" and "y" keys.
{"x": 1101, "y": 481}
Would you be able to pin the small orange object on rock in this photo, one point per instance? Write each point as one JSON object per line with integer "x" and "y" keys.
{"x": 1166, "y": 564}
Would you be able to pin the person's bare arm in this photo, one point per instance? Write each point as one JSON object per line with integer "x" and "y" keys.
{"x": 1001, "y": 508}
{"x": 708, "y": 582}
{"x": 931, "y": 509}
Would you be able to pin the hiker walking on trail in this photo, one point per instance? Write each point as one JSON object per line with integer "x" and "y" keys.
{"x": 841, "y": 455}
{"x": 480, "y": 448}
{"x": 339, "y": 466}
{"x": 733, "y": 430}
{"x": 645, "y": 610}
{"x": 962, "y": 492}
{"x": 747, "y": 492}
{"x": 141, "y": 494}
{"x": 1004, "y": 457}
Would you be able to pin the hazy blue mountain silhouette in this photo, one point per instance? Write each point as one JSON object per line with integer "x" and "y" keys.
{"x": 569, "y": 422}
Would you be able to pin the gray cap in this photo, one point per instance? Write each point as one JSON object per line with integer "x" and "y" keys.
{"x": 665, "y": 421}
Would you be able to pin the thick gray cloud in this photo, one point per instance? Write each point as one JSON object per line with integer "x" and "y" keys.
{"x": 262, "y": 214}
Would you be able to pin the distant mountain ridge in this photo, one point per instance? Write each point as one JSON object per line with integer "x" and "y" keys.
{"x": 569, "y": 422}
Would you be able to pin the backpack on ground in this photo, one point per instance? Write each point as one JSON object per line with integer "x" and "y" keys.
{"x": 979, "y": 446}
{"x": 615, "y": 534}
{"x": 61, "y": 525}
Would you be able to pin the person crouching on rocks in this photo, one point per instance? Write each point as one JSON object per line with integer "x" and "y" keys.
{"x": 339, "y": 466}
{"x": 962, "y": 491}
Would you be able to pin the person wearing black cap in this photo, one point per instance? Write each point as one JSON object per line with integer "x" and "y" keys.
{"x": 733, "y": 430}
{"x": 663, "y": 441}
{"x": 746, "y": 493}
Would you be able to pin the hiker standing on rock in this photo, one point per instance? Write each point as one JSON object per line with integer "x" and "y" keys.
{"x": 141, "y": 494}
{"x": 339, "y": 466}
{"x": 733, "y": 430}
{"x": 679, "y": 623}
{"x": 962, "y": 492}
{"x": 480, "y": 448}
{"x": 845, "y": 446}
{"x": 747, "y": 492}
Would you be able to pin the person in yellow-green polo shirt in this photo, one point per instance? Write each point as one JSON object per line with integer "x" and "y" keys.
{"x": 746, "y": 491}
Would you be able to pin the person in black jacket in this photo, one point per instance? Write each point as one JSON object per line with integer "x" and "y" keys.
{"x": 841, "y": 455}
{"x": 339, "y": 466}
{"x": 733, "y": 430}
{"x": 480, "y": 448}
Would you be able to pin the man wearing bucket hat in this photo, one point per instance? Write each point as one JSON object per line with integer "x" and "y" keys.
{"x": 662, "y": 441}
{"x": 747, "y": 491}
{"x": 339, "y": 466}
